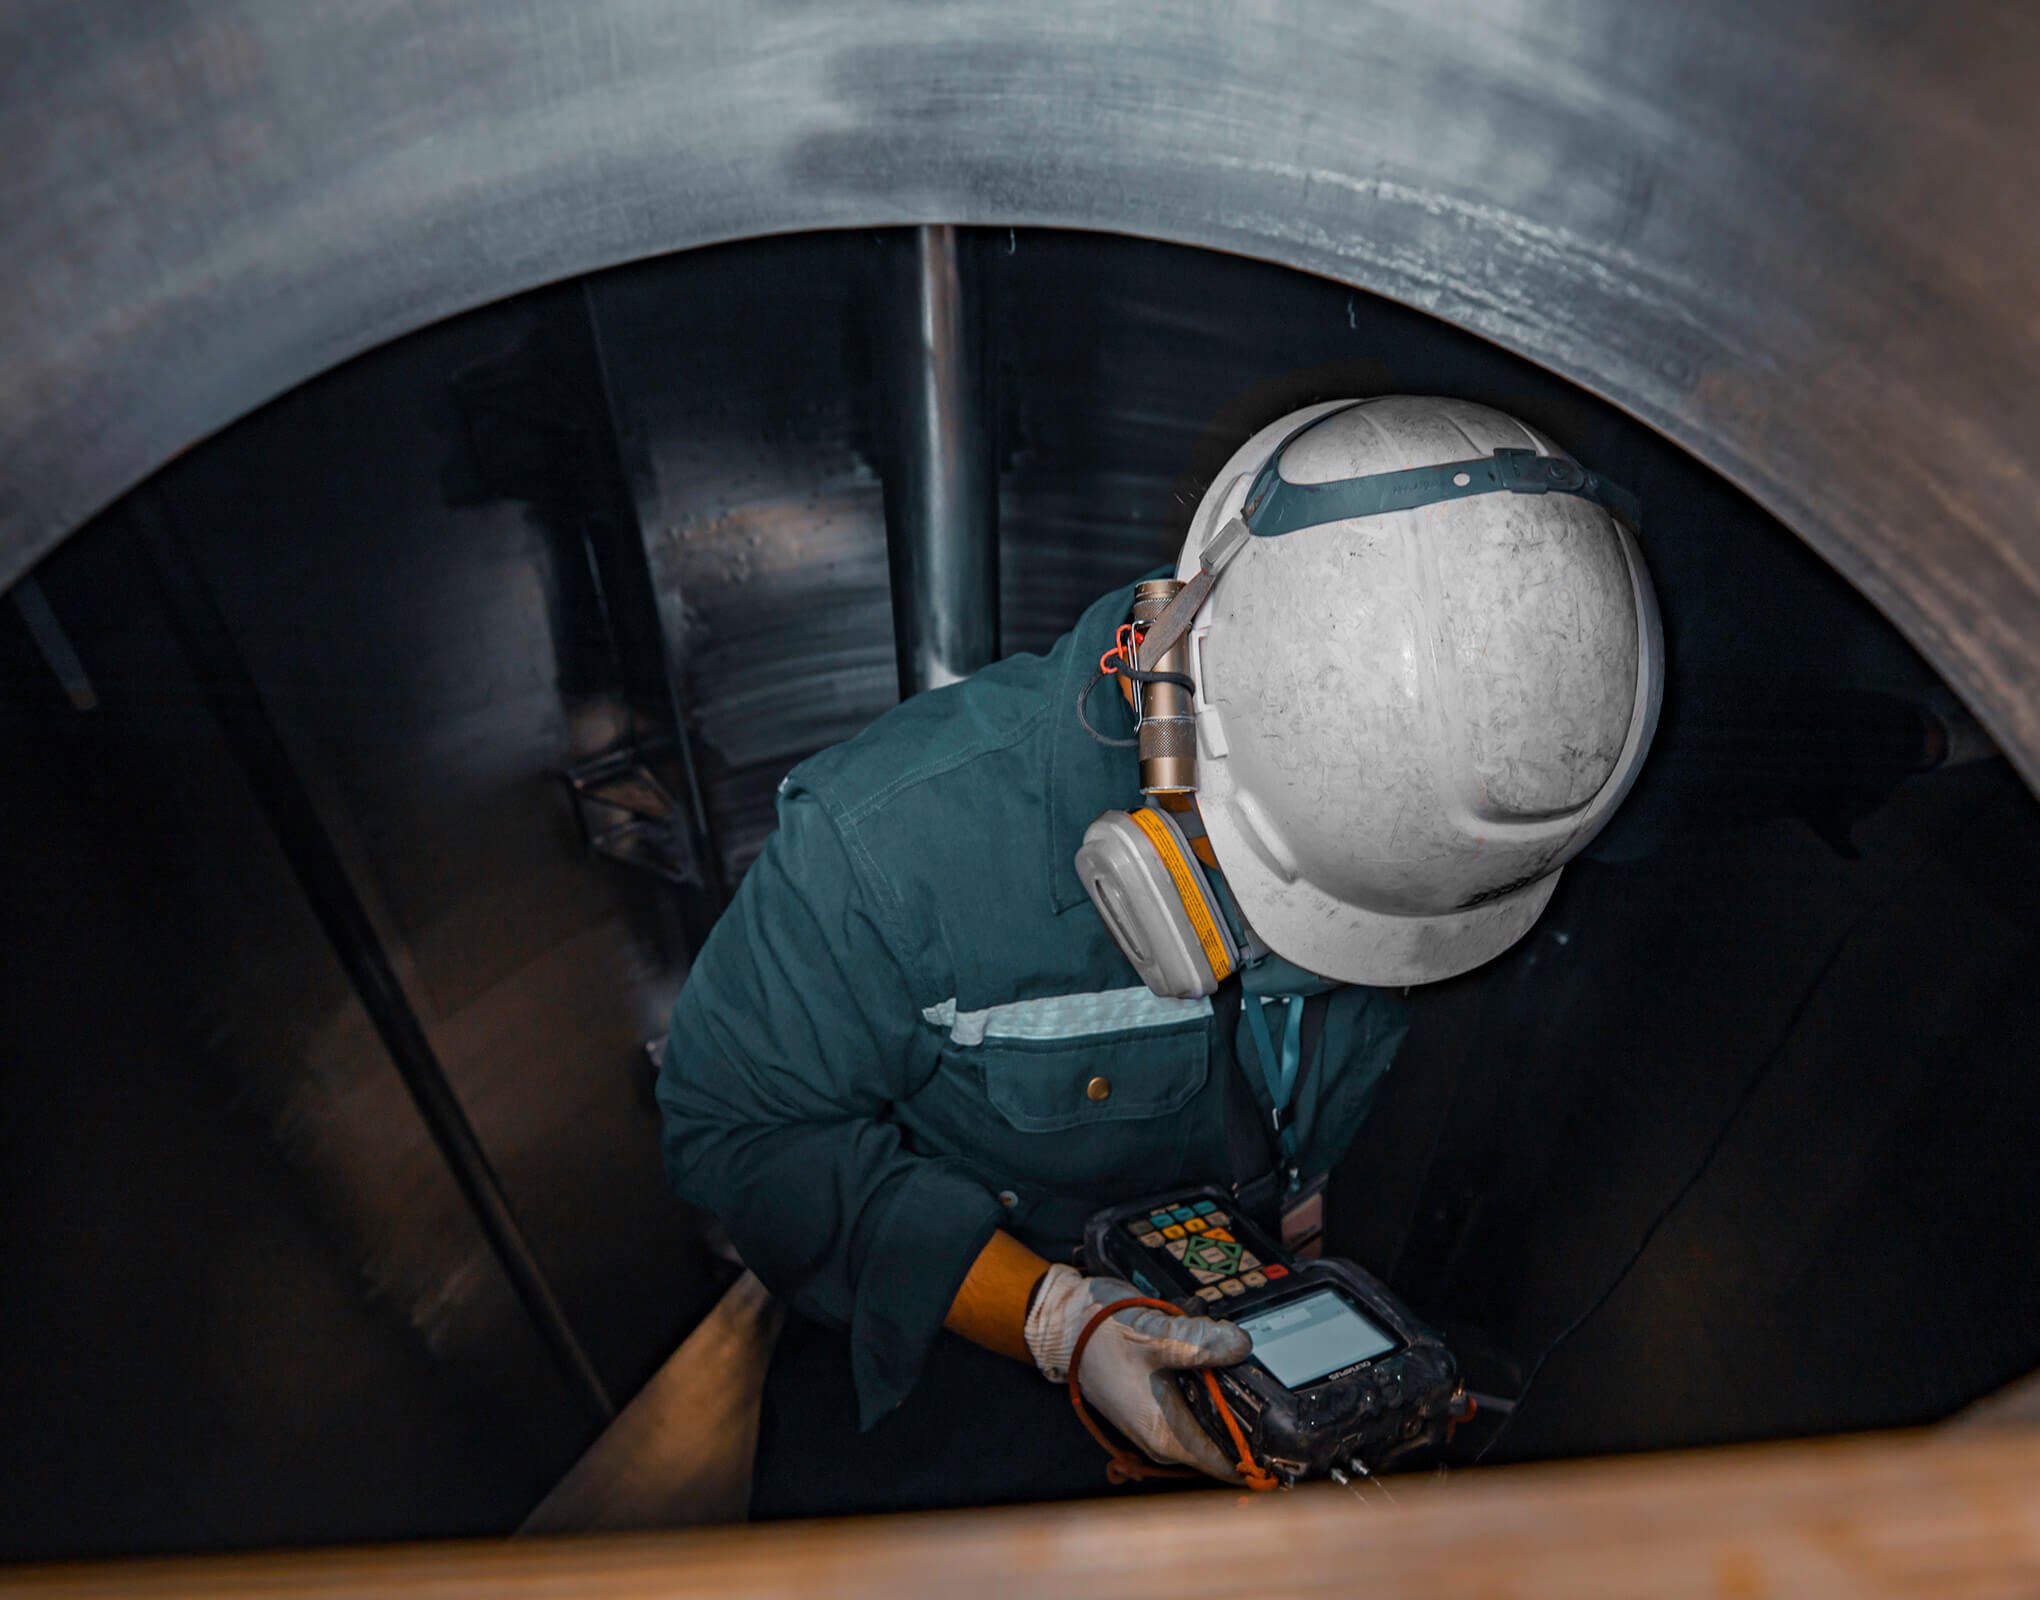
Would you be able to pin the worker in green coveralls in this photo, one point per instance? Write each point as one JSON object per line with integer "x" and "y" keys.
{"x": 1134, "y": 916}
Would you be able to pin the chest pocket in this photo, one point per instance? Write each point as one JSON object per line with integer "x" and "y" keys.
{"x": 1079, "y": 1060}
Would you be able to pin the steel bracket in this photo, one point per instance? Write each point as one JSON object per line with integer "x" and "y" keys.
{"x": 627, "y": 814}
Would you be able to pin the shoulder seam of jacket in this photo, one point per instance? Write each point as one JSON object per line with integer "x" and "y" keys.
{"x": 853, "y": 815}
{"x": 885, "y": 900}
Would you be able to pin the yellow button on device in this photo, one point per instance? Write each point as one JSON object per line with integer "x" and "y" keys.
{"x": 1099, "y": 1088}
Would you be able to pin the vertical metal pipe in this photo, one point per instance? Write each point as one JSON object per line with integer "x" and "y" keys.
{"x": 258, "y": 749}
{"x": 941, "y": 486}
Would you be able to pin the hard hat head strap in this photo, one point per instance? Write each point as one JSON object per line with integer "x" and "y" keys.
{"x": 1275, "y": 506}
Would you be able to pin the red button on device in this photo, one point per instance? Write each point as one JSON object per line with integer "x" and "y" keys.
{"x": 1276, "y": 1272}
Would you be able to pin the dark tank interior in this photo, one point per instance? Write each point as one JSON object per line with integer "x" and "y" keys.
{"x": 431, "y": 713}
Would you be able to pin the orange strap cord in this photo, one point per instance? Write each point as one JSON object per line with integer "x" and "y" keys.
{"x": 1126, "y": 1466}
{"x": 1125, "y": 650}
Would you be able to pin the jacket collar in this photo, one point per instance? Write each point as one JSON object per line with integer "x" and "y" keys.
{"x": 1085, "y": 777}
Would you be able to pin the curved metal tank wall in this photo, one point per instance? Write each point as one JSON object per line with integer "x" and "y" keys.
{"x": 1743, "y": 1126}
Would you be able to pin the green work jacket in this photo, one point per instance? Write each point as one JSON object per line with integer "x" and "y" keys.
{"x": 911, "y": 1028}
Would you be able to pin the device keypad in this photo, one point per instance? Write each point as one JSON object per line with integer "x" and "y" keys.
{"x": 1198, "y": 1235}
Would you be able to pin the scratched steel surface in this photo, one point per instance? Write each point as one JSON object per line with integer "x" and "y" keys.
{"x": 252, "y": 1305}
{"x": 1794, "y": 237}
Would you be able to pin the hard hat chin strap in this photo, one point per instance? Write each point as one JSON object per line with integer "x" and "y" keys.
{"x": 1167, "y": 630}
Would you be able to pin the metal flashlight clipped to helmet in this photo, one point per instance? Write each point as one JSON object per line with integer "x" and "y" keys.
{"x": 1422, "y": 660}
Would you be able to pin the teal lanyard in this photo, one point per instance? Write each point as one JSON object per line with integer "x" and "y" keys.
{"x": 1281, "y": 1070}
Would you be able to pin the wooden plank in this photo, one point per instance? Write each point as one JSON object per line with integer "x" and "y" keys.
{"x": 1950, "y": 1516}
{"x": 2016, "y": 1405}
{"x": 679, "y": 1454}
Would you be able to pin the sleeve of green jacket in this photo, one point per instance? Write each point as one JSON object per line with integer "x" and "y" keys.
{"x": 796, "y": 1034}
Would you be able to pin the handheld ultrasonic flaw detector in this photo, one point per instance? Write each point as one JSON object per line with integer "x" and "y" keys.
{"x": 1343, "y": 1377}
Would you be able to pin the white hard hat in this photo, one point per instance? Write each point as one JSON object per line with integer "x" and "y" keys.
{"x": 1409, "y": 720}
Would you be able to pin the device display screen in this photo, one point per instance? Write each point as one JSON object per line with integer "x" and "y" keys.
{"x": 1299, "y": 1342}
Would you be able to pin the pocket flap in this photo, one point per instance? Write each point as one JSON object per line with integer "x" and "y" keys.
{"x": 1073, "y": 1060}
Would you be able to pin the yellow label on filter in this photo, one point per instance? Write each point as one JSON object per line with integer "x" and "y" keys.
{"x": 1202, "y": 922}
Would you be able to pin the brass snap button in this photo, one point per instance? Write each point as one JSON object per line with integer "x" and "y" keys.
{"x": 1099, "y": 1088}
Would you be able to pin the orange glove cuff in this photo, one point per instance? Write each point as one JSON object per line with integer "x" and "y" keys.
{"x": 991, "y": 1307}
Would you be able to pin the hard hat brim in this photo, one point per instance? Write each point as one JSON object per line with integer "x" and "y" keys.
{"x": 1351, "y": 944}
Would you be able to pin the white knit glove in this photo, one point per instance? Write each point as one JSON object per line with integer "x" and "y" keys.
{"x": 1125, "y": 1372}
